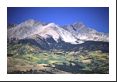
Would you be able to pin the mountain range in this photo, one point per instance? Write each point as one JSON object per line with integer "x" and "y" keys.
{"x": 52, "y": 36}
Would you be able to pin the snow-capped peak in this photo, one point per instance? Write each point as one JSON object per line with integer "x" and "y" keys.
{"x": 30, "y": 28}
{"x": 56, "y": 33}
{"x": 52, "y": 24}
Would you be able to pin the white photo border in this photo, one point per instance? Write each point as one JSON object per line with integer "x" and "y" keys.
{"x": 58, "y": 3}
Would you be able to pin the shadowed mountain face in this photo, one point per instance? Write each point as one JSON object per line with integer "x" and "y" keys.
{"x": 50, "y": 44}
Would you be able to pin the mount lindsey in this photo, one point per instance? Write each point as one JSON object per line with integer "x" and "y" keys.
{"x": 52, "y": 36}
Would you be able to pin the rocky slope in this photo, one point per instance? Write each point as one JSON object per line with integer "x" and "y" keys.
{"x": 52, "y": 36}
{"x": 83, "y": 32}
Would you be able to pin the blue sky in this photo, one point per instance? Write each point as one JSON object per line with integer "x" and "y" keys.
{"x": 93, "y": 17}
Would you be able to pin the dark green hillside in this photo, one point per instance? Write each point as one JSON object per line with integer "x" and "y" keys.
{"x": 28, "y": 58}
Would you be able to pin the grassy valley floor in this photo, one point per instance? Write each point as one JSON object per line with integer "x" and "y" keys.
{"x": 58, "y": 62}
